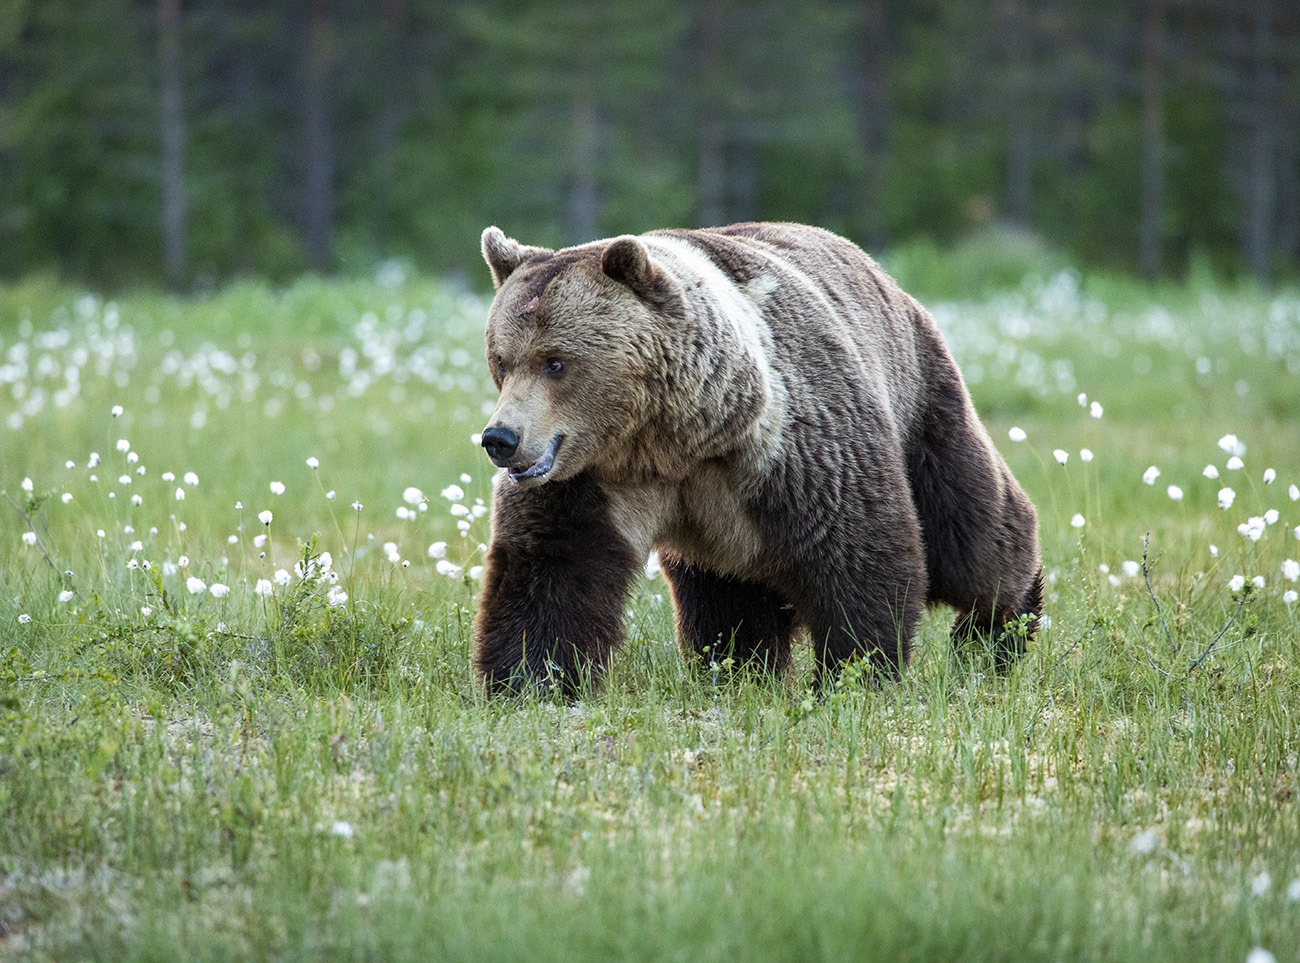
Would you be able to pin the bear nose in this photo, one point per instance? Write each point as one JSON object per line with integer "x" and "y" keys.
{"x": 500, "y": 443}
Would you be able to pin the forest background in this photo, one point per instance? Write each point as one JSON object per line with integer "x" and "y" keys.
{"x": 199, "y": 141}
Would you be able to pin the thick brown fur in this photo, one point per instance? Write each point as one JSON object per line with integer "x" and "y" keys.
{"x": 765, "y": 407}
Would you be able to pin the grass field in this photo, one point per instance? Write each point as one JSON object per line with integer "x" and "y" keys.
{"x": 232, "y": 735}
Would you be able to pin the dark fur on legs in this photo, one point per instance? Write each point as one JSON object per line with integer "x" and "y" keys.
{"x": 557, "y": 578}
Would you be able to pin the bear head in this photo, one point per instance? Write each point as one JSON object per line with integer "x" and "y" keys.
{"x": 611, "y": 358}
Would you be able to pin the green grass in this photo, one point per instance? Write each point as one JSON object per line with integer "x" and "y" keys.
{"x": 299, "y": 776}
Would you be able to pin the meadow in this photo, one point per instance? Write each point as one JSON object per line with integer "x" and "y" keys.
{"x": 242, "y": 535}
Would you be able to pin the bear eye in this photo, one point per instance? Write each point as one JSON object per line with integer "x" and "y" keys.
{"x": 553, "y": 367}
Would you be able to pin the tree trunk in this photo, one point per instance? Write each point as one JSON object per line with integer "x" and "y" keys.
{"x": 1259, "y": 207}
{"x": 1153, "y": 140}
{"x": 710, "y": 167}
{"x": 873, "y": 119}
{"x": 318, "y": 137}
{"x": 1019, "y": 135}
{"x": 584, "y": 191}
{"x": 172, "y": 133}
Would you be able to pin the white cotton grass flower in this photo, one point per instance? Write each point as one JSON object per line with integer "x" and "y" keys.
{"x": 1235, "y": 464}
{"x": 448, "y": 568}
{"x": 259, "y": 540}
{"x": 123, "y": 445}
{"x": 190, "y": 478}
{"x": 438, "y": 550}
{"x": 24, "y": 618}
{"x": 465, "y": 478}
{"x": 357, "y": 506}
{"x": 1150, "y": 475}
{"x": 1083, "y": 400}
{"x": 277, "y": 488}
{"x": 183, "y": 561}
{"x": 28, "y": 485}
{"x": 66, "y": 595}
{"x": 1017, "y": 434}
{"x": 313, "y": 462}
{"x": 341, "y": 828}
{"x": 265, "y": 516}
{"x": 460, "y": 511}
{"x": 1144, "y": 843}
{"x": 218, "y": 590}
{"x": 1289, "y": 597}
{"x": 1261, "y": 884}
{"x": 1175, "y": 493}
{"x": 1252, "y": 528}
{"x": 453, "y": 493}
{"x": 1270, "y": 476}
{"x": 412, "y": 496}
{"x": 1232, "y": 445}
{"x": 1260, "y": 955}
{"x": 335, "y": 596}
{"x": 1061, "y": 455}
{"x": 1293, "y": 493}
{"x": 1078, "y": 521}
{"x": 1131, "y": 568}
{"x": 117, "y": 411}
{"x": 180, "y": 494}
{"x": 1258, "y": 581}
{"x": 1095, "y": 410}
{"x": 1226, "y": 497}
{"x": 67, "y": 497}
{"x": 1210, "y": 472}
{"x": 282, "y": 577}
{"x": 1237, "y": 583}
{"x": 1291, "y": 570}
{"x": 146, "y": 610}
{"x": 1293, "y": 887}
{"x": 405, "y": 514}
{"x": 124, "y": 479}
{"x": 264, "y": 588}
{"x": 1085, "y": 454}
{"x": 195, "y": 585}
{"x": 1214, "y": 550}
{"x": 29, "y": 538}
{"x": 1271, "y": 516}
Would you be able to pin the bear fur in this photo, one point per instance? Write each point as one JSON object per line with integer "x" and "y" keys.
{"x": 763, "y": 406}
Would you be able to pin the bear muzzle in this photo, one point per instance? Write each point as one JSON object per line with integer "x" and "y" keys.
{"x": 502, "y": 446}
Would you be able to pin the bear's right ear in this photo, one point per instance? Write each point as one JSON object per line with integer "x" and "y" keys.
{"x": 627, "y": 261}
{"x": 504, "y": 254}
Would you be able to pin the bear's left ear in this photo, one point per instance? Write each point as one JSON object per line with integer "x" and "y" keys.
{"x": 627, "y": 261}
{"x": 505, "y": 254}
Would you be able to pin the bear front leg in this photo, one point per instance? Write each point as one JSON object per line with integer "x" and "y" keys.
{"x": 729, "y": 616}
{"x": 555, "y": 584}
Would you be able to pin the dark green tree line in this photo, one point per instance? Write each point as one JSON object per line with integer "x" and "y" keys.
{"x": 194, "y": 140}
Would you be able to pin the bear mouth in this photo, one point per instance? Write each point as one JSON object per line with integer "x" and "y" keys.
{"x": 540, "y": 467}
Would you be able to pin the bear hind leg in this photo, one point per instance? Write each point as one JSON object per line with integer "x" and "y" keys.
{"x": 722, "y": 616}
{"x": 1004, "y": 631}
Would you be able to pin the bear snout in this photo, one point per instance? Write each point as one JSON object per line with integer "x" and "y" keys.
{"x": 500, "y": 443}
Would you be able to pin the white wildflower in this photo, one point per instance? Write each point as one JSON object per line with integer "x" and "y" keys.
{"x": 1293, "y": 492}
{"x": 24, "y": 619}
{"x": 1271, "y": 516}
{"x": 1061, "y": 455}
{"x": 1237, "y": 583}
{"x": 341, "y": 828}
{"x": 1260, "y": 955}
{"x": 1017, "y": 433}
{"x": 67, "y": 497}
{"x": 117, "y": 411}
{"x": 180, "y": 494}
{"x": 123, "y": 445}
{"x": 265, "y": 516}
{"x": 191, "y": 478}
{"x": 1261, "y": 883}
{"x": 412, "y": 496}
{"x": 1095, "y": 410}
{"x": 1226, "y": 496}
{"x": 438, "y": 550}
{"x": 1231, "y": 445}
{"x": 1131, "y": 569}
{"x": 263, "y": 587}
{"x": 1150, "y": 475}
{"x": 65, "y": 596}
{"x": 449, "y": 568}
{"x": 313, "y": 462}
{"x": 1270, "y": 476}
{"x": 336, "y": 596}
{"x": 218, "y": 590}
{"x": 1289, "y": 597}
{"x": 29, "y": 538}
{"x": 1174, "y": 492}
{"x": 1078, "y": 521}
{"x": 1291, "y": 570}
{"x": 1085, "y": 454}
{"x": 1258, "y": 581}
{"x": 453, "y": 493}
{"x": 28, "y": 485}
{"x": 1144, "y": 843}
{"x": 282, "y": 577}
{"x": 277, "y": 488}
{"x": 1235, "y": 464}
{"x": 195, "y": 585}
{"x": 1252, "y": 528}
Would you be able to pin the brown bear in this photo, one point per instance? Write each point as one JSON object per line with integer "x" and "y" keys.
{"x": 763, "y": 406}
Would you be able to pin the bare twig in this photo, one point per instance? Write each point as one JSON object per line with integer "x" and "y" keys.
{"x": 1146, "y": 575}
{"x": 1195, "y": 664}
